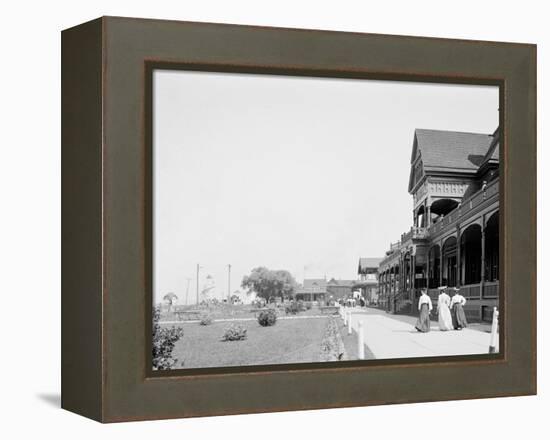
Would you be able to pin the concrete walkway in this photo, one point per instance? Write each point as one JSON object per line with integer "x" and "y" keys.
{"x": 390, "y": 338}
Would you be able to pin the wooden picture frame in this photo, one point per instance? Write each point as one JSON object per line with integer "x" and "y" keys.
{"x": 106, "y": 217}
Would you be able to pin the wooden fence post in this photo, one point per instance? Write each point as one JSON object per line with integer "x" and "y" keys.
{"x": 494, "y": 329}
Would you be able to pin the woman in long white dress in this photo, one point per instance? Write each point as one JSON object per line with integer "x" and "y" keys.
{"x": 443, "y": 311}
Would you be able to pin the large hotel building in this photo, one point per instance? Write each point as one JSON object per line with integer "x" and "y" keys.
{"x": 454, "y": 239}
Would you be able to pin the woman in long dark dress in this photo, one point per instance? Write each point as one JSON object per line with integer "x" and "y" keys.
{"x": 457, "y": 311}
{"x": 425, "y": 307}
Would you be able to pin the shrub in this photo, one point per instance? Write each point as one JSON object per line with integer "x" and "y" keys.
{"x": 294, "y": 307}
{"x": 267, "y": 318}
{"x": 234, "y": 332}
{"x": 308, "y": 305}
{"x": 258, "y": 303}
{"x": 205, "y": 319}
{"x": 164, "y": 340}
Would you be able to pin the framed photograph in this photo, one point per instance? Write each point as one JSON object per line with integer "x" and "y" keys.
{"x": 265, "y": 219}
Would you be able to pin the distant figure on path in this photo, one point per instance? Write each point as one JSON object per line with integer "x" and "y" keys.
{"x": 425, "y": 307}
{"x": 443, "y": 310}
{"x": 457, "y": 311}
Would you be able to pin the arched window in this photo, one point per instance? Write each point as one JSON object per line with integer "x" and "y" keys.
{"x": 491, "y": 248}
{"x": 448, "y": 259}
{"x": 470, "y": 255}
{"x": 434, "y": 268}
{"x": 443, "y": 207}
{"x": 420, "y": 217}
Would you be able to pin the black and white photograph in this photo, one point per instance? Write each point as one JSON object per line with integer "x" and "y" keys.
{"x": 310, "y": 220}
{"x": 279, "y": 219}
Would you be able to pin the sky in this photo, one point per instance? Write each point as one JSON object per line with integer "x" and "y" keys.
{"x": 302, "y": 174}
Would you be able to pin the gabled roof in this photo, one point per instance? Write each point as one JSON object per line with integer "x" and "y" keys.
{"x": 451, "y": 149}
{"x": 448, "y": 152}
{"x": 341, "y": 283}
{"x": 368, "y": 263}
{"x": 318, "y": 283}
{"x": 492, "y": 155}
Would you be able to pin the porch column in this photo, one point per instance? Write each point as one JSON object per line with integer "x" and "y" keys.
{"x": 413, "y": 272}
{"x": 428, "y": 269}
{"x": 401, "y": 273}
{"x": 482, "y": 278}
{"x": 440, "y": 263}
{"x": 428, "y": 215}
{"x": 458, "y": 262}
{"x": 425, "y": 215}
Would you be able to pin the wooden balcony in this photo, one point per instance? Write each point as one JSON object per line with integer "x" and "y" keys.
{"x": 415, "y": 233}
{"x": 395, "y": 246}
{"x": 465, "y": 207}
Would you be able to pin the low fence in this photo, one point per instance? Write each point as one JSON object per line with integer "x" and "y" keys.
{"x": 490, "y": 290}
{"x": 472, "y": 291}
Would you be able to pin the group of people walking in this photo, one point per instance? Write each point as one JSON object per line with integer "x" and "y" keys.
{"x": 450, "y": 310}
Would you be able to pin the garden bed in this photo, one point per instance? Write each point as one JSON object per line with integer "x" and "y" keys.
{"x": 288, "y": 341}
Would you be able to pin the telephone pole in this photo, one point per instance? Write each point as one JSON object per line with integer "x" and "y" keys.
{"x": 198, "y": 268}
{"x": 187, "y": 291}
{"x": 228, "y": 283}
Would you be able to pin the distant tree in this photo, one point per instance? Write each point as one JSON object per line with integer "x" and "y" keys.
{"x": 170, "y": 298}
{"x": 270, "y": 283}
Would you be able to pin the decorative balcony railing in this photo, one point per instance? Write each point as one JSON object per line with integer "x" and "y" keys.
{"x": 414, "y": 233}
{"x": 394, "y": 246}
{"x": 466, "y": 206}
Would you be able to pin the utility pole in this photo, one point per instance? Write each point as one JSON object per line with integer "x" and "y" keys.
{"x": 187, "y": 292}
{"x": 198, "y": 268}
{"x": 228, "y": 283}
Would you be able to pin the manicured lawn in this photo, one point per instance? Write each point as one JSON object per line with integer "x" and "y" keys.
{"x": 232, "y": 312}
{"x": 288, "y": 341}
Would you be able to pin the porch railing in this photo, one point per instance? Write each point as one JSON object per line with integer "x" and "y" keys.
{"x": 467, "y": 205}
{"x": 473, "y": 291}
{"x": 415, "y": 232}
{"x": 490, "y": 290}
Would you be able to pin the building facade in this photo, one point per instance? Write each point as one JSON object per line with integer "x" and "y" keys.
{"x": 340, "y": 289}
{"x": 454, "y": 239}
{"x": 367, "y": 270}
{"x": 321, "y": 290}
{"x": 313, "y": 289}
